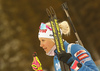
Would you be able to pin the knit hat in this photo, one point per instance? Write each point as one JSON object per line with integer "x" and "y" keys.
{"x": 45, "y": 31}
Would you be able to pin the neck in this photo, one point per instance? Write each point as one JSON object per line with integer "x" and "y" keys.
{"x": 51, "y": 52}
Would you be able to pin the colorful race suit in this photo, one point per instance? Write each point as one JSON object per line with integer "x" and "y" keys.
{"x": 80, "y": 55}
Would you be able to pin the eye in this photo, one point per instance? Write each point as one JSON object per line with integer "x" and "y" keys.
{"x": 43, "y": 40}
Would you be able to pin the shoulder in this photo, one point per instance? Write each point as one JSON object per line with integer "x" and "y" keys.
{"x": 66, "y": 45}
{"x": 73, "y": 48}
{"x": 77, "y": 47}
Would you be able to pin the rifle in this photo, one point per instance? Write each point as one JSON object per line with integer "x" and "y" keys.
{"x": 65, "y": 8}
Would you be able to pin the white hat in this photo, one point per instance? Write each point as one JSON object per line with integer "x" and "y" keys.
{"x": 45, "y": 31}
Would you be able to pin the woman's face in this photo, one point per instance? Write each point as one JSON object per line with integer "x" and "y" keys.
{"x": 46, "y": 44}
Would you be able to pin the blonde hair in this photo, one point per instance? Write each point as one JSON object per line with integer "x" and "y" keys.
{"x": 64, "y": 26}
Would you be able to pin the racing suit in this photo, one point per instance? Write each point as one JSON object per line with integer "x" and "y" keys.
{"x": 79, "y": 54}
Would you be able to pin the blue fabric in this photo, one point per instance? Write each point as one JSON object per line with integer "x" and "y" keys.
{"x": 87, "y": 62}
{"x": 43, "y": 26}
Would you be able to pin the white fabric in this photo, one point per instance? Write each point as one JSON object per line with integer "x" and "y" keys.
{"x": 46, "y": 31}
{"x": 47, "y": 34}
{"x": 69, "y": 48}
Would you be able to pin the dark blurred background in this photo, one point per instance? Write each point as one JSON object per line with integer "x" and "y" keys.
{"x": 19, "y": 23}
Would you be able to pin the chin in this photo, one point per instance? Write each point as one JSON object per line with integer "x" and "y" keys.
{"x": 45, "y": 51}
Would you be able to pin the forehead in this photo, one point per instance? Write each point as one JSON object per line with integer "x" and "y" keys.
{"x": 44, "y": 38}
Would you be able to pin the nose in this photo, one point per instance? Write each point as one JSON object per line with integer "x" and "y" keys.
{"x": 41, "y": 44}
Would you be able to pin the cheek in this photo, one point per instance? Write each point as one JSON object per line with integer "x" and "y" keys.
{"x": 49, "y": 45}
